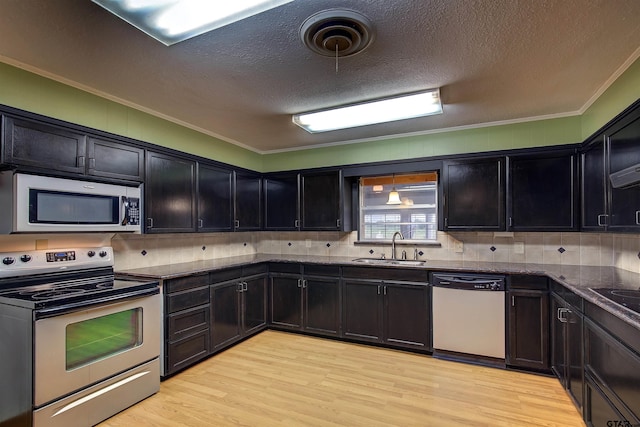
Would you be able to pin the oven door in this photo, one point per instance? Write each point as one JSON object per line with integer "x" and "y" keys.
{"x": 77, "y": 349}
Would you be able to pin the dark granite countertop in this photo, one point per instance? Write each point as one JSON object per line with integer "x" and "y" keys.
{"x": 579, "y": 279}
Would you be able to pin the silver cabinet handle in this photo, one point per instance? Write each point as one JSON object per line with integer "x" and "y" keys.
{"x": 92, "y": 163}
{"x": 602, "y": 223}
{"x": 245, "y": 286}
{"x": 513, "y": 301}
{"x": 236, "y": 223}
{"x": 384, "y": 289}
{"x": 510, "y": 221}
{"x": 300, "y": 283}
{"x": 80, "y": 161}
{"x": 239, "y": 287}
{"x": 378, "y": 289}
{"x": 149, "y": 222}
{"x": 296, "y": 223}
{"x": 561, "y": 314}
{"x": 637, "y": 217}
{"x": 200, "y": 223}
{"x": 338, "y": 223}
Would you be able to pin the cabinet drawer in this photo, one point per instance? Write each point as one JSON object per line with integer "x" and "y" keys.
{"x": 321, "y": 270}
{"x": 225, "y": 275}
{"x": 528, "y": 282}
{"x": 187, "y": 322}
{"x": 183, "y": 283}
{"x": 187, "y": 351}
{"x": 187, "y": 299}
{"x": 292, "y": 268}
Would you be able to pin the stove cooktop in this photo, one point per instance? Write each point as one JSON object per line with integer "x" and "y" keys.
{"x": 70, "y": 292}
{"x": 629, "y": 298}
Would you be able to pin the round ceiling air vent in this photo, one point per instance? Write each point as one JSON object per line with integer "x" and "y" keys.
{"x": 336, "y": 32}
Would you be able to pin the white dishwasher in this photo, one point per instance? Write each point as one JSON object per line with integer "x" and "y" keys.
{"x": 469, "y": 314}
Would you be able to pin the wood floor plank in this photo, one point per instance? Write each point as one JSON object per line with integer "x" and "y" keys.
{"x": 281, "y": 379}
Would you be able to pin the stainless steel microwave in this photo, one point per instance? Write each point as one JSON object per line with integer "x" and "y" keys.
{"x": 40, "y": 204}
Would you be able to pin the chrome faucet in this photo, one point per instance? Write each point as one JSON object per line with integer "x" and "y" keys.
{"x": 393, "y": 244}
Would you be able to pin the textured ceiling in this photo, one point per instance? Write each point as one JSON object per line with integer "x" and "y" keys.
{"x": 494, "y": 60}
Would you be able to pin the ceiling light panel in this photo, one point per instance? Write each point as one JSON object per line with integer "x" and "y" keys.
{"x": 402, "y": 107}
{"x": 172, "y": 21}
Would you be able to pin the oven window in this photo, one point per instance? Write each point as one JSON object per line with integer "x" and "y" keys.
{"x": 101, "y": 337}
{"x": 51, "y": 207}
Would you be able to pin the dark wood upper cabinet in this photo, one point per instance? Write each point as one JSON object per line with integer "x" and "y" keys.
{"x": 110, "y": 159}
{"x": 615, "y": 148}
{"x": 248, "y": 201}
{"x": 39, "y": 145}
{"x": 543, "y": 192}
{"x": 281, "y": 205}
{"x": 170, "y": 194}
{"x": 53, "y": 149}
{"x": 321, "y": 200}
{"x": 474, "y": 194}
{"x": 215, "y": 198}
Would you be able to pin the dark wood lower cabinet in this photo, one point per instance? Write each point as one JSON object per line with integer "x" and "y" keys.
{"x": 238, "y": 309}
{"x": 306, "y": 302}
{"x": 392, "y": 313}
{"x": 528, "y": 339}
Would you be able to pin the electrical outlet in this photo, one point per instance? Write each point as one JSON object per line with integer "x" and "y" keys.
{"x": 458, "y": 247}
{"x": 518, "y": 247}
{"x": 307, "y": 243}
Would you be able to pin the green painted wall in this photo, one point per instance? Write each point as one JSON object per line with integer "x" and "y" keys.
{"x": 28, "y": 91}
{"x": 531, "y": 134}
{"x": 622, "y": 93}
{"x": 31, "y": 92}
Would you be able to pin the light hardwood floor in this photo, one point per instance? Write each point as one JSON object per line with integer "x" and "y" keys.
{"x": 281, "y": 379}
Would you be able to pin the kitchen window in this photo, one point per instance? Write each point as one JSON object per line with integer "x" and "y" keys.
{"x": 412, "y": 210}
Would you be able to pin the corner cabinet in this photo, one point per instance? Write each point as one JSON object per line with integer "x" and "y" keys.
{"x": 387, "y": 306}
{"x": 528, "y": 323}
{"x": 170, "y": 194}
{"x": 605, "y": 208}
{"x": 543, "y": 192}
{"x": 46, "y": 147}
{"x": 474, "y": 194}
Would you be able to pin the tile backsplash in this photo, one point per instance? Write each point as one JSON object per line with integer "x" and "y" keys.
{"x": 598, "y": 249}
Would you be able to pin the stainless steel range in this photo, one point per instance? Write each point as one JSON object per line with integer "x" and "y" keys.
{"x": 77, "y": 345}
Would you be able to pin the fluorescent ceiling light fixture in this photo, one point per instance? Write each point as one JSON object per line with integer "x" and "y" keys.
{"x": 401, "y": 107}
{"x": 172, "y": 21}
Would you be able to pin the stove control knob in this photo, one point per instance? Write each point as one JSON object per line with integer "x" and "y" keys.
{"x": 103, "y": 254}
{"x": 8, "y": 260}
{"x": 91, "y": 254}
{"x": 25, "y": 258}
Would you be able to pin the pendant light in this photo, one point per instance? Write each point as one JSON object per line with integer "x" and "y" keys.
{"x": 394, "y": 196}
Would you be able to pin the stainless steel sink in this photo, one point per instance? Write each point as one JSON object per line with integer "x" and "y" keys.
{"x": 381, "y": 261}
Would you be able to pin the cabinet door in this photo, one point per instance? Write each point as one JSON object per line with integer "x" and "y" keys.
{"x": 407, "y": 315}
{"x": 322, "y": 305}
{"x": 474, "y": 194}
{"x": 320, "y": 197}
{"x": 558, "y": 346}
{"x": 362, "y": 310}
{"x": 111, "y": 159}
{"x": 593, "y": 189}
{"x": 170, "y": 194}
{"x": 624, "y": 152}
{"x": 254, "y": 310}
{"x": 225, "y": 314}
{"x": 528, "y": 329}
{"x": 286, "y": 301}
{"x": 543, "y": 192}
{"x": 215, "y": 201}
{"x": 248, "y": 202}
{"x": 281, "y": 202}
{"x": 187, "y": 351}
{"x": 43, "y": 146}
{"x": 575, "y": 364}
{"x": 599, "y": 411}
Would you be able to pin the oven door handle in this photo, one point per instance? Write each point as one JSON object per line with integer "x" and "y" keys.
{"x": 97, "y": 302}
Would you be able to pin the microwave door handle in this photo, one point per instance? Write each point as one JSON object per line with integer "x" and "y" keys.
{"x": 125, "y": 207}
